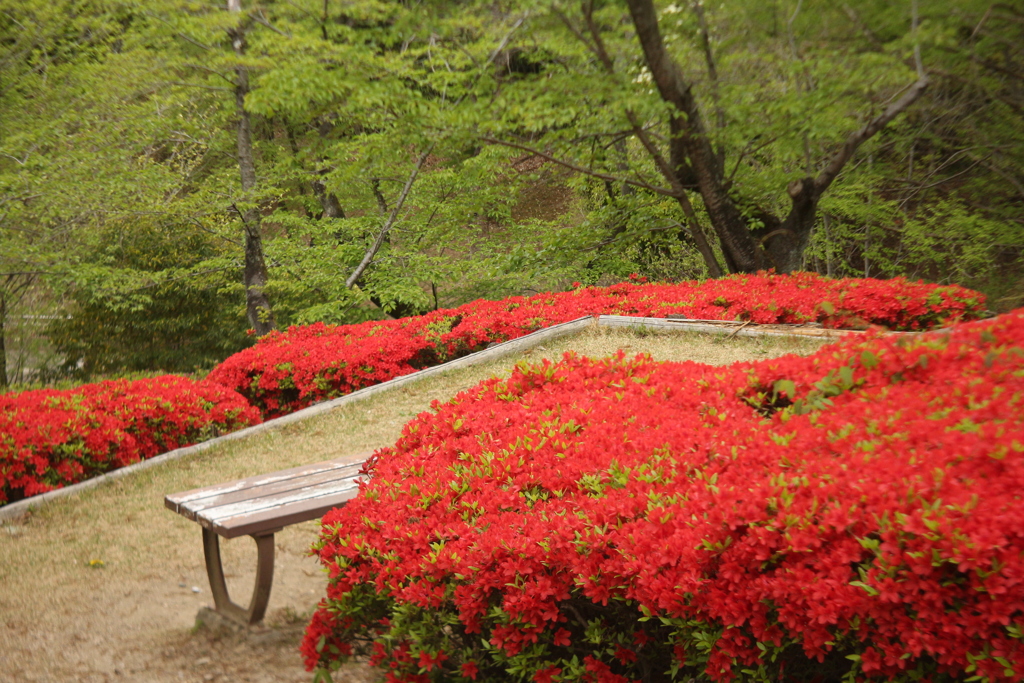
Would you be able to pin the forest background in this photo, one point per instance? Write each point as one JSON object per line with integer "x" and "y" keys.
{"x": 174, "y": 173}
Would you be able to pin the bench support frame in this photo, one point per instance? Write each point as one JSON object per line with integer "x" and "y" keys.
{"x": 264, "y": 577}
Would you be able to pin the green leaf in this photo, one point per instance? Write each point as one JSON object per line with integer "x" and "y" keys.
{"x": 785, "y": 386}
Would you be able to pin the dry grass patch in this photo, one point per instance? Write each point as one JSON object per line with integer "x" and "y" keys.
{"x": 62, "y": 619}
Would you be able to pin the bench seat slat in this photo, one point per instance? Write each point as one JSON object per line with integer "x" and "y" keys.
{"x": 326, "y": 479}
{"x": 269, "y": 502}
{"x": 184, "y": 498}
{"x": 279, "y": 517}
{"x": 256, "y": 504}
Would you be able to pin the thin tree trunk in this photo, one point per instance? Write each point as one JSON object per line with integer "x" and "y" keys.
{"x": 827, "y": 220}
{"x": 390, "y": 222}
{"x": 328, "y": 200}
{"x": 677, "y": 175}
{"x": 257, "y": 305}
{"x": 4, "y": 383}
{"x": 692, "y": 155}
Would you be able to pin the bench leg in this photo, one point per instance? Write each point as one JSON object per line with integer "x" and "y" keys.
{"x": 264, "y": 578}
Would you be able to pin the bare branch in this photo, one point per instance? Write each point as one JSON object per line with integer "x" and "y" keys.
{"x": 390, "y": 223}
{"x": 635, "y": 233}
{"x": 577, "y": 167}
{"x": 198, "y": 85}
{"x": 214, "y": 233}
{"x": 748, "y": 149}
{"x": 835, "y": 165}
{"x": 186, "y": 38}
{"x": 241, "y": 216}
{"x": 670, "y": 174}
{"x": 981, "y": 23}
{"x": 595, "y": 33}
{"x": 988, "y": 64}
{"x": 1015, "y": 106}
{"x": 986, "y": 162}
{"x": 709, "y": 59}
{"x": 1015, "y": 14}
{"x": 400, "y": 202}
{"x": 789, "y": 30}
{"x": 304, "y": 10}
{"x": 23, "y": 198}
{"x": 601, "y": 51}
{"x": 575, "y": 31}
{"x": 260, "y": 19}
{"x": 917, "y": 43}
{"x": 207, "y": 69}
{"x": 652, "y": 149}
{"x": 193, "y": 41}
{"x": 19, "y": 161}
{"x": 938, "y": 182}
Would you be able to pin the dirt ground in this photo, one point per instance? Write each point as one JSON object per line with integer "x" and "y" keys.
{"x": 140, "y": 617}
{"x": 107, "y": 585}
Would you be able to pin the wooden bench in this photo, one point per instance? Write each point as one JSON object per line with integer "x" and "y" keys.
{"x": 260, "y": 507}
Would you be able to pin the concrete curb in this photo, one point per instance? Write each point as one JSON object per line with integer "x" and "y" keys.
{"x": 729, "y": 327}
{"x": 495, "y": 352}
{"x": 487, "y": 355}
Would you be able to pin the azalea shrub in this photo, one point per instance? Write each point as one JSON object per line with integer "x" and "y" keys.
{"x": 51, "y": 438}
{"x": 852, "y": 515}
{"x": 287, "y": 371}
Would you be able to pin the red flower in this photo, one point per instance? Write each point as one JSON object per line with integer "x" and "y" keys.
{"x": 470, "y": 670}
{"x": 869, "y": 660}
{"x": 547, "y": 675}
{"x": 428, "y": 661}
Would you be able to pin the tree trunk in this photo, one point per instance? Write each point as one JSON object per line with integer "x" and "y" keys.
{"x": 692, "y": 157}
{"x": 675, "y": 171}
{"x": 328, "y": 200}
{"x": 785, "y": 242}
{"x": 4, "y": 382}
{"x": 780, "y": 244}
{"x": 257, "y": 305}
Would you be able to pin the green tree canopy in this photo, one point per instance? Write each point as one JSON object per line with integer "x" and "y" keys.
{"x": 402, "y": 157}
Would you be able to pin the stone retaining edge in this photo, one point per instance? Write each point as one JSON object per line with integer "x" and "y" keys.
{"x": 489, "y": 354}
{"x": 731, "y": 328}
{"x": 492, "y": 353}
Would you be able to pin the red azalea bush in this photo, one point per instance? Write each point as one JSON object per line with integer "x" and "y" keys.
{"x": 51, "y": 438}
{"x": 55, "y": 438}
{"x": 287, "y": 371}
{"x": 852, "y": 515}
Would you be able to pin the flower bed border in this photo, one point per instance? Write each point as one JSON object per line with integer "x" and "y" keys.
{"x": 22, "y": 507}
{"x": 495, "y": 352}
